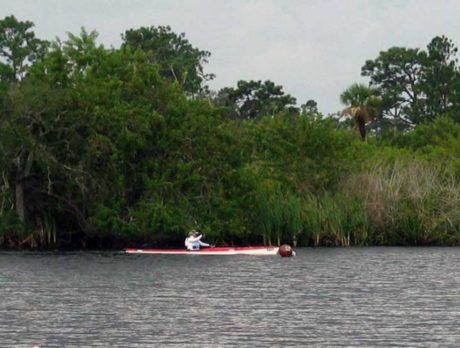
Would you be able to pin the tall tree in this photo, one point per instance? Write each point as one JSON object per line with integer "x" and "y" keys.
{"x": 416, "y": 85}
{"x": 177, "y": 58}
{"x": 310, "y": 107}
{"x": 37, "y": 134}
{"x": 396, "y": 73}
{"x": 254, "y": 99}
{"x": 439, "y": 77}
{"x": 18, "y": 48}
{"x": 363, "y": 104}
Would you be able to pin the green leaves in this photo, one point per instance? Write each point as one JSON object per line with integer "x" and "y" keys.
{"x": 108, "y": 146}
{"x": 18, "y": 48}
{"x": 254, "y": 99}
{"x": 440, "y": 77}
{"x": 365, "y": 103}
{"x": 177, "y": 59}
{"x": 416, "y": 85}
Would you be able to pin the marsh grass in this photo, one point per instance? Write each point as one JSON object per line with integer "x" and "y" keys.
{"x": 280, "y": 213}
{"x": 409, "y": 203}
{"x": 334, "y": 221}
{"x": 405, "y": 202}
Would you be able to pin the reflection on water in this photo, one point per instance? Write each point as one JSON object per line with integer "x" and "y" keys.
{"x": 323, "y": 297}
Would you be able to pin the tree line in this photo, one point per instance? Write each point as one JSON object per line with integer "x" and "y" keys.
{"x": 108, "y": 147}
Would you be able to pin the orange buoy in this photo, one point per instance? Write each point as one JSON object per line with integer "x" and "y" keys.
{"x": 286, "y": 250}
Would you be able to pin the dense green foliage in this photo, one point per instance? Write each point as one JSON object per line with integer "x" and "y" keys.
{"x": 254, "y": 99}
{"x": 176, "y": 59}
{"x": 108, "y": 147}
{"x": 416, "y": 85}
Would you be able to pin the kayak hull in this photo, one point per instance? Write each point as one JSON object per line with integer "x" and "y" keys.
{"x": 262, "y": 250}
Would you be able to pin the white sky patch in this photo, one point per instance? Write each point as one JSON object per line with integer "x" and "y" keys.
{"x": 313, "y": 48}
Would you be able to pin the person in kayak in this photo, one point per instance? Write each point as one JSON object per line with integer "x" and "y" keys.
{"x": 193, "y": 241}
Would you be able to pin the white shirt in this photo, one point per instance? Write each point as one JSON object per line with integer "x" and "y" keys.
{"x": 194, "y": 243}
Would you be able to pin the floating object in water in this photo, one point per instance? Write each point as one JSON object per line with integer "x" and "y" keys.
{"x": 286, "y": 250}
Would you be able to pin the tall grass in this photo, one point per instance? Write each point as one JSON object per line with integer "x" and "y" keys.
{"x": 279, "y": 213}
{"x": 286, "y": 217}
{"x": 334, "y": 221}
{"x": 409, "y": 203}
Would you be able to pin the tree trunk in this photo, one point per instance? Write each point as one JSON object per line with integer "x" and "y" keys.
{"x": 20, "y": 208}
{"x": 22, "y": 174}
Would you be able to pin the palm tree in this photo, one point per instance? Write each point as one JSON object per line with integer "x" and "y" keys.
{"x": 363, "y": 104}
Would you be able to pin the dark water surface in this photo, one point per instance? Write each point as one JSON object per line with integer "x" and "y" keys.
{"x": 353, "y": 297}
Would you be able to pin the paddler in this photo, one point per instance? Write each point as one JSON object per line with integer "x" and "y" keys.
{"x": 193, "y": 241}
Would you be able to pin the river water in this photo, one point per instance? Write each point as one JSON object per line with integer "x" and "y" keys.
{"x": 340, "y": 297}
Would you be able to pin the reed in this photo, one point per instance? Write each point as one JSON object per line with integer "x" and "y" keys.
{"x": 354, "y": 222}
{"x": 294, "y": 217}
{"x": 334, "y": 220}
{"x": 313, "y": 220}
{"x": 280, "y": 213}
{"x": 50, "y": 231}
{"x": 409, "y": 203}
{"x": 331, "y": 220}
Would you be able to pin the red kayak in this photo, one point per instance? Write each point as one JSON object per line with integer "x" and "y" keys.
{"x": 259, "y": 250}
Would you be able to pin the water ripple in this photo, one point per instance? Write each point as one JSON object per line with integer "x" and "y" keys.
{"x": 354, "y": 297}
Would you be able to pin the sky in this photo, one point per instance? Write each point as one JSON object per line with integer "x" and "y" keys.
{"x": 313, "y": 48}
